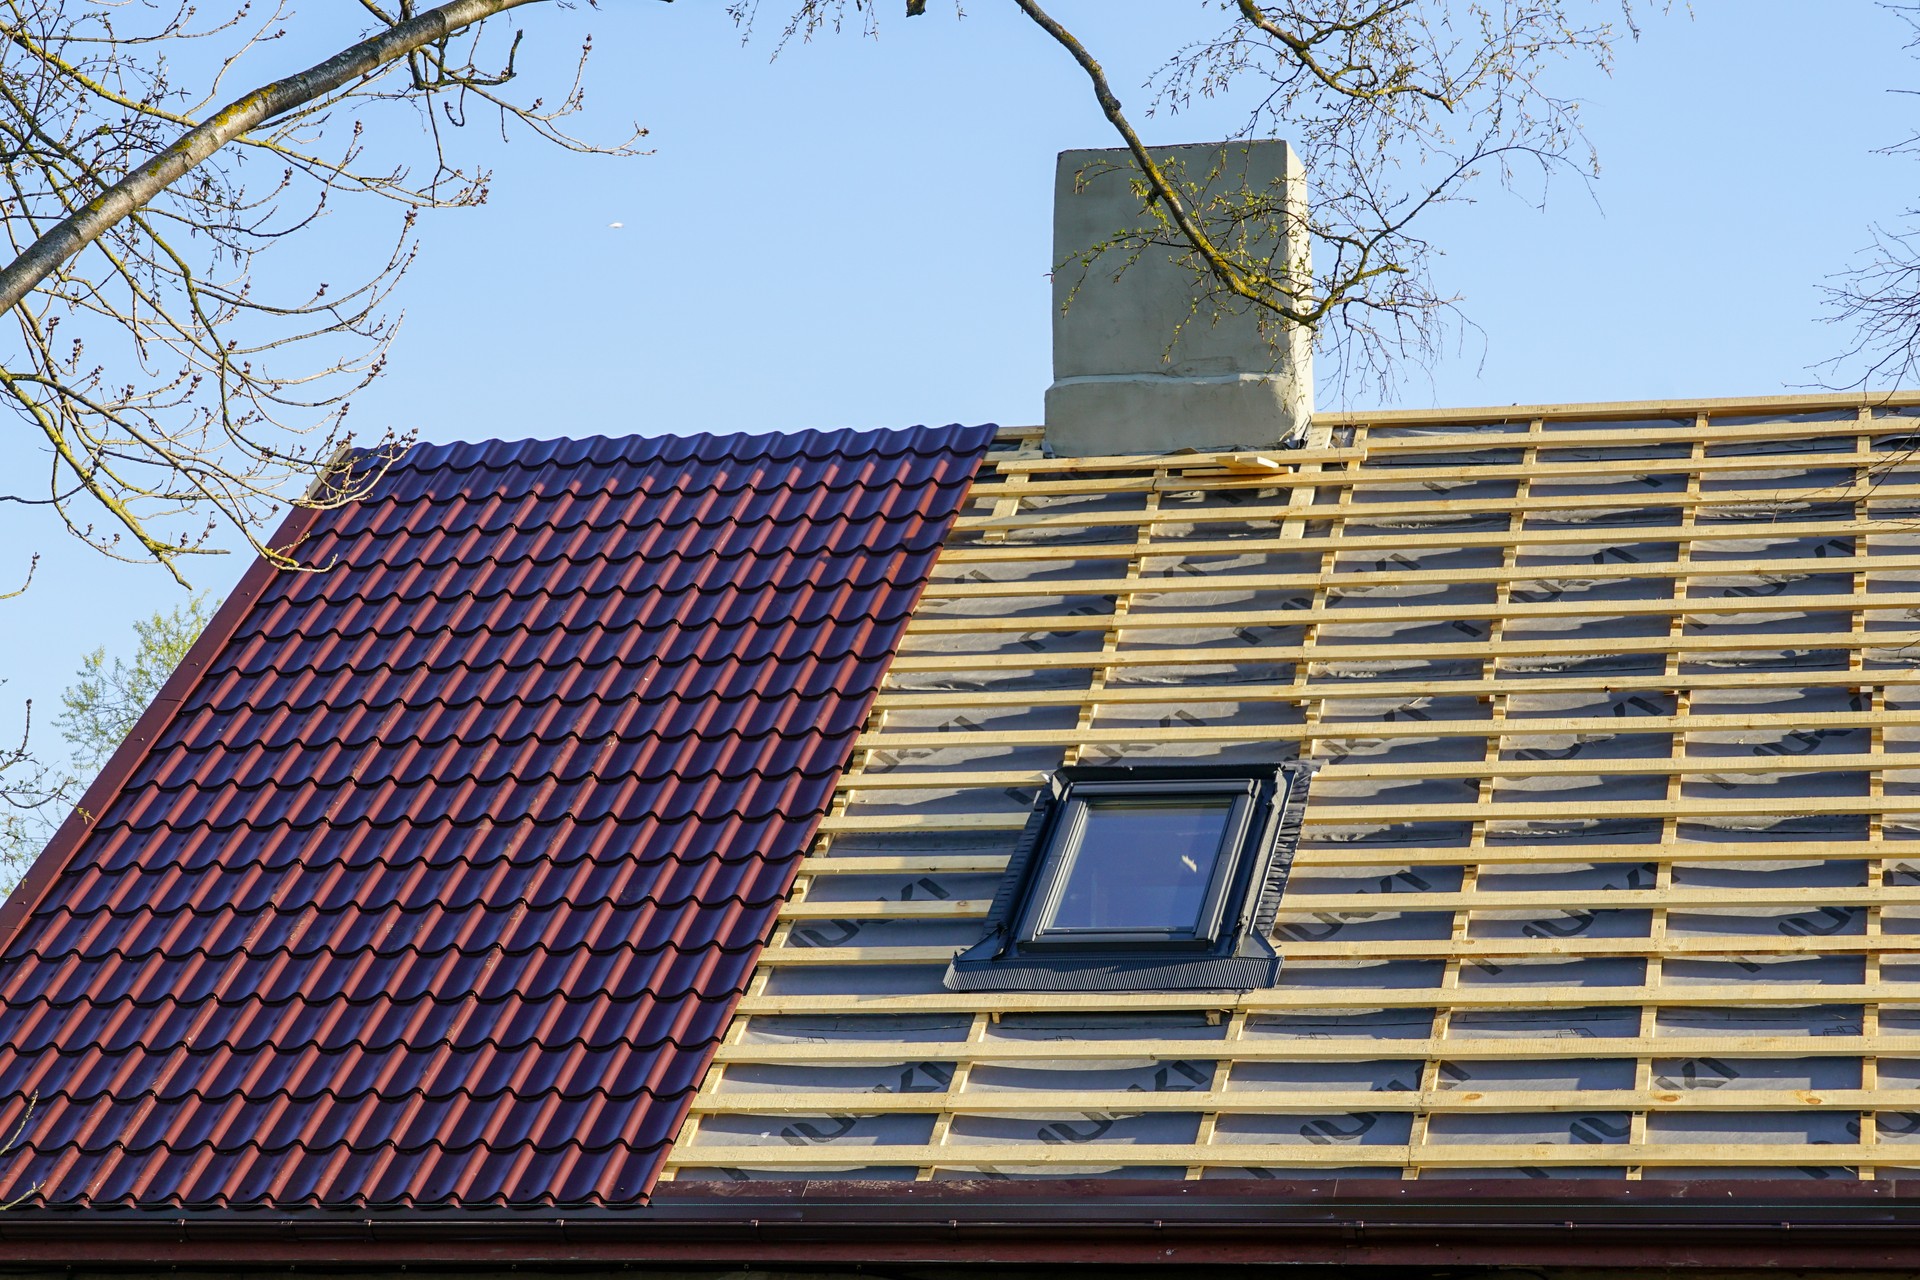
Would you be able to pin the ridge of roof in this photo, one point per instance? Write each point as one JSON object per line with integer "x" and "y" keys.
{"x": 1853, "y": 399}
{"x": 530, "y": 453}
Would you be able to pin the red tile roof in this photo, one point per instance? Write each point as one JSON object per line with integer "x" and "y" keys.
{"x": 433, "y": 879}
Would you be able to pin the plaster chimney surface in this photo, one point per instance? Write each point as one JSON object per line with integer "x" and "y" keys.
{"x": 1147, "y": 363}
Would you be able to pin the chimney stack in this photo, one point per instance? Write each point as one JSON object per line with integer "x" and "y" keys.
{"x": 1148, "y": 363}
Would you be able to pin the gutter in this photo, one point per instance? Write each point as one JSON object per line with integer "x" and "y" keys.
{"x": 965, "y": 1225}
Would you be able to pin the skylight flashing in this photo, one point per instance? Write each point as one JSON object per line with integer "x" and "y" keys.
{"x": 1143, "y": 877}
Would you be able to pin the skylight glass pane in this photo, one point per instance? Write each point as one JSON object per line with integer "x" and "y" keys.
{"x": 1142, "y": 866}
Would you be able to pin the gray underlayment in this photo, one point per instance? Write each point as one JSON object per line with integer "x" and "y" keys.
{"x": 1147, "y": 356}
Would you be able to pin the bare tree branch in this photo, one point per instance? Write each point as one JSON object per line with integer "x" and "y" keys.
{"x": 235, "y": 120}
{"x": 171, "y": 392}
{"x": 1877, "y": 299}
{"x": 1395, "y": 107}
{"x": 1247, "y": 282}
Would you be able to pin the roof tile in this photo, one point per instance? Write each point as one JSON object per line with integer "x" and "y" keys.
{"x": 433, "y": 878}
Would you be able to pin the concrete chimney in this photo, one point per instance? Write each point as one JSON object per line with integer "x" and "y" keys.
{"x": 1146, "y": 363}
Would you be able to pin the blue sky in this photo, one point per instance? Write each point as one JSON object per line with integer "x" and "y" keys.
{"x": 857, "y": 234}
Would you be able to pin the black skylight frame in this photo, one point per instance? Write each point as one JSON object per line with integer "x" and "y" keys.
{"x": 1037, "y": 925}
{"x": 1226, "y": 949}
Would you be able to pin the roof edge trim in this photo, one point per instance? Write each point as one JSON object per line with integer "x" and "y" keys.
{"x": 1577, "y": 1223}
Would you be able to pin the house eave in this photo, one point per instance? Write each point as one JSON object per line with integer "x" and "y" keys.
{"x": 961, "y": 1225}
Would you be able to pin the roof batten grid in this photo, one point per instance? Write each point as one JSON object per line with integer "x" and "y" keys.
{"x": 1573, "y": 694}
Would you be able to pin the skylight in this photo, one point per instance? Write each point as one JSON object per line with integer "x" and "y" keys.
{"x": 1148, "y": 877}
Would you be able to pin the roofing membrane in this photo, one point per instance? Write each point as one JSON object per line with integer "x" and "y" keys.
{"x": 431, "y": 879}
{"x": 1612, "y": 869}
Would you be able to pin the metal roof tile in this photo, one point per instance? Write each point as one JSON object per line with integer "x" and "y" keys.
{"x": 432, "y": 879}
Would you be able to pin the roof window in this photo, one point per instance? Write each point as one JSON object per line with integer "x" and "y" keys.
{"x": 1143, "y": 877}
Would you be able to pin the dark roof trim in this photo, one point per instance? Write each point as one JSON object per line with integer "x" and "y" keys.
{"x": 53, "y": 860}
{"x": 1114, "y": 1222}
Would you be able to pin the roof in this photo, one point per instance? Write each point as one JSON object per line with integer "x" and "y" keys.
{"x": 431, "y": 879}
{"x": 1610, "y": 871}
{"x": 1600, "y": 942}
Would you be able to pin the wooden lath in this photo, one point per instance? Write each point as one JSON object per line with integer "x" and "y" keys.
{"x": 994, "y": 1157}
{"x": 1903, "y": 643}
{"x": 1440, "y": 949}
{"x": 1278, "y": 1049}
{"x": 955, "y": 704}
{"x": 1279, "y": 1000}
{"x": 1332, "y": 1101}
